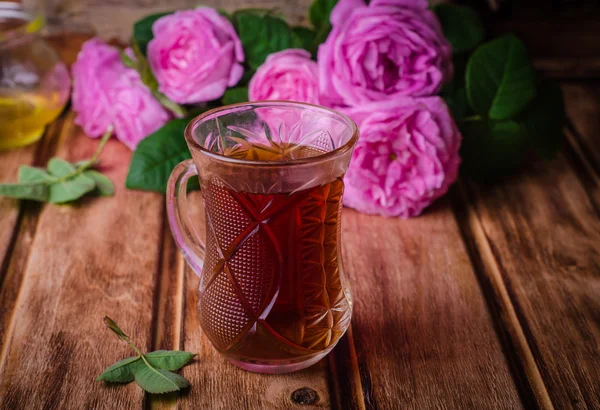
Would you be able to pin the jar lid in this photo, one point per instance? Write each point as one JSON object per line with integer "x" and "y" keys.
{"x": 15, "y": 21}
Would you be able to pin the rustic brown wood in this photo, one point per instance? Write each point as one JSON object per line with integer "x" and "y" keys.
{"x": 9, "y": 208}
{"x": 422, "y": 332}
{"x": 543, "y": 231}
{"x": 94, "y": 258}
{"x": 115, "y": 18}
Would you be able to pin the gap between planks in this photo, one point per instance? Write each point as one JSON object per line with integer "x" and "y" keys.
{"x": 15, "y": 261}
{"x": 167, "y": 326}
{"x": 499, "y": 302}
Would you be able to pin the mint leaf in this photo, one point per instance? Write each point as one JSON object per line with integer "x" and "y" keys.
{"x": 500, "y": 79}
{"x": 262, "y": 34}
{"x": 158, "y": 380}
{"x": 142, "y": 30}
{"x": 29, "y": 174}
{"x": 169, "y": 359}
{"x": 492, "y": 149}
{"x": 121, "y": 371}
{"x": 156, "y": 156}
{"x": 235, "y": 95}
{"x": 461, "y": 25}
{"x": 36, "y": 191}
{"x": 104, "y": 186}
{"x": 60, "y": 168}
{"x": 70, "y": 189}
{"x": 319, "y": 12}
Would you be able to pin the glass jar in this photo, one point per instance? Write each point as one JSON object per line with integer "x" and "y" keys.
{"x": 34, "y": 83}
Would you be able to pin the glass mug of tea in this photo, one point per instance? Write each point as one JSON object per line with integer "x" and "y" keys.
{"x": 273, "y": 296}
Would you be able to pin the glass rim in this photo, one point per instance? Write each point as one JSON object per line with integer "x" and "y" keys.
{"x": 347, "y": 146}
{"x": 25, "y": 21}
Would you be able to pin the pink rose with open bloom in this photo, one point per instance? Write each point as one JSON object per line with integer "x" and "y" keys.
{"x": 195, "y": 55}
{"x": 378, "y": 52}
{"x": 286, "y": 75}
{"x": 406, "y": 157}
{"x": 106, "y": 92}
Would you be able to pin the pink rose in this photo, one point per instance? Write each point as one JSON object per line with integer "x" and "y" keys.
{"x": 195, "y": 55}
{"x": 106, "y": 92}
{"x": 406, "y": 157}
{"x": 286, "y": 75}
{"x": 378, "y": 52}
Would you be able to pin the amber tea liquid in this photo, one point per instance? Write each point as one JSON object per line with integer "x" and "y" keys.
{"x": 272, "y": 287}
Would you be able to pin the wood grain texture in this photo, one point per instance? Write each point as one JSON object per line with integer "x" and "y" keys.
{"x": 114, "y": 18}
{"x": 9, "y": 208}
{"x": 544, "y": 233}
{"x": 94, "y": 258}
{"x": 422, "y": 332}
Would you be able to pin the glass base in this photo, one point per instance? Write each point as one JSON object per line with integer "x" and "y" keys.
{"x": 278, "y": 367}
{"x": 21, "y": 141}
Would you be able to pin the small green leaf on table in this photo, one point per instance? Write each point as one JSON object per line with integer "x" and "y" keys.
{"x": 151, "y": 371}
{"x": 235, "y": 95}
{"x": 32, "y": 175}
{"x": 461, "y": 25}
{"x": 70, "y": 189}
{"x": 142, "y": 30}
{"x": 104, "y": 185}
{"x": 158, "y": 381}
{"x": 121, "y": 371}
{"x": 169, "y": 359}
{"x": 35, "y": 192}
{"x": 500, "y": 79}
{"x": 60, "y": 168}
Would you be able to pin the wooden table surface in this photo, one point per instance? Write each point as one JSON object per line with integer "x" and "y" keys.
{"x": 489, "y": 300}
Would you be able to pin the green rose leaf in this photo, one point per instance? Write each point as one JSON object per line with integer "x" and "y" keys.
{"x": 36, "y": 192}
{"x": 169, "y": 359}
{"x": 104, "y": 185}
{"x": 156, "y": 156}
{"x": 262, "y": 34}
{"x": 142, "y": 30}
{"x": 461, "y": 25}
{"x": 71, "y": 189}
{"x": 491, "y": 149}
{"x": 319, "y": 13}
{"x": 121, "y": 371}
{"x": 500, "y": 79}
{"x": 158, "y": 380}
{"x": 304, "y": 38}
{"x": 235, "y": 95}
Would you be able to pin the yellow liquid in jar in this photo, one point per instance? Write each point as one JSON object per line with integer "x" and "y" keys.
{"x": 23, "y": 116}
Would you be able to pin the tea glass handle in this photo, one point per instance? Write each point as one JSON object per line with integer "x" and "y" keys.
{"x": 181, "y": 225}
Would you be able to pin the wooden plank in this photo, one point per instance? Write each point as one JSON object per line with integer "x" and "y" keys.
{"x": 97, "y": 257}
{"x": 543, "y": 231}
{"x": 422, "y": 332}
{"x": 582, "y": 101}
{"x": 115, "y": 18}
{"x": 217, "y": 384}
{"x": 19, "y": 235}
{"x": 9, "y": 208}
